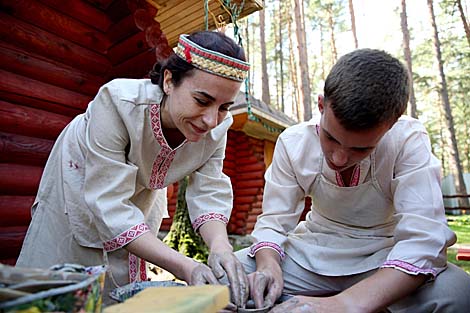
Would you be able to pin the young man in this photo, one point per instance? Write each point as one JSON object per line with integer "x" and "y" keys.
{"x": 376, "y": 236}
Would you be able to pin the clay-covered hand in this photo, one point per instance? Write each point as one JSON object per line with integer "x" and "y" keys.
{"x": 201, "y": 274}
{"x": 303, "y": 304}
{"x": 266, "y": 281}
{"x": 226, "y": 266}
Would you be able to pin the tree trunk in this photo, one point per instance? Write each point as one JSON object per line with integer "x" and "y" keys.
{"x": 281, "y": 58}
{"x": 305, "y": 90}
{"x": 265, "y": 97}
{"x": 407, "y": 53}
{"x": 182, "y": 236}
{"x": 460, "y": 183}
{"x": 353, "y": 23}
{"x": 331, "y": 24}
{"x": 464, "y": 20}
{"x": 293, "y": 71}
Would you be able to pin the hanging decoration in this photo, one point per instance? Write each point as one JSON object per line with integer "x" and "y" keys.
{"x": 233, "y": 9}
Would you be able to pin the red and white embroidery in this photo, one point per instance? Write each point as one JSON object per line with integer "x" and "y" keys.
{"x": 354, "y": 177}
{"x": 137, "y": 266}
{"x": 126, "y": 237}
{"x": 266, "y": 244}
{"x": 209, "y": 217}
{"x": 408, "y": 268}
{"x": 165, "y": 156}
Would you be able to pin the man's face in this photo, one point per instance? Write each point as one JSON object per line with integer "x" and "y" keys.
{"x": 345, "y": 148}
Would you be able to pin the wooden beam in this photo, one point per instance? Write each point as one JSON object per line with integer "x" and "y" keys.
{"x": 25, "y": 63}
{"x": 59, "y": 24}
{"x": 137, "y": 67}
{"x": 31, "y": 122}
{"x": 24, "y": 150}
{"x": 36, "y": 40}
{"x": 11, "y": 240}
{"x": 13, "y": 83}
{"x": 15, "y": 210}
{"x": 82, "y": 11}
{"x": 39, "y": 104}
{"x": 127, "y": 49}
{"x": 19, "y": 179}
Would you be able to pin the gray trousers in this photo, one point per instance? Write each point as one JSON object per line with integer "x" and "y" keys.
{"x": 449, "y": 292}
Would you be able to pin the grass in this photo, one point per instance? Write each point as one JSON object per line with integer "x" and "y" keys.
{"x": 461, "y": 226}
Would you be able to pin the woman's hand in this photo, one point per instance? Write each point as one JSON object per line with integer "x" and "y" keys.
{"x": 201, "y": 274}
{"x": 266, "y": 281}
{"x": 229, "y": 270}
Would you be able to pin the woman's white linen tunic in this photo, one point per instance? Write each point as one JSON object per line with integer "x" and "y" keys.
{"x": 104, "y": 181}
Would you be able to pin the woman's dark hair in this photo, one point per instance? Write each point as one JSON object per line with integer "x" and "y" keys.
{"x": 180, "y": 69}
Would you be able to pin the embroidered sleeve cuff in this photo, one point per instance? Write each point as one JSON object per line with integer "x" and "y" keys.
{"x": 266, "y": 245}
{"x": 124, "y": 238}
{"x": 409, "y": 268}
{"x": 209, "y": 217}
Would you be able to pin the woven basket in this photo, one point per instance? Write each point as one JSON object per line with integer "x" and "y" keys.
{"x": 62, "y": 288}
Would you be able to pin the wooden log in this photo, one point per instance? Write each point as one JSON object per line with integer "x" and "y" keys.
{"x": 251, "y": 218}
{"x": 11, "y": 240}
{"x": 51, "y": 46}
{"x": 39, "y": 104}
{"x": 137, "y": 67}
{"x": 246, "y": 192}
{"x": 244, "y": 200}
{"x": 251, "y": 167}
{"x": 118, "y": 10}
{"x": 82, "y": 11}
{"x": 13, "y": 83}
{"x": 62, "y": 25}
{"x": 30, "y": 65}
{"x": 242, "y": 184}
{"x": 31, "y": 122}
{"x": 9, "y": 261}
{"x": 19, "y": 179}
{"x": 122, "y": 29}
{"x": 128, "y": 48}
{"x": 23, "y": 149}
{"x": 251, "y": 175}
{"x": 248, "y": 160}
{"x": 241, "y": 208}
{"x": 15, "y": 210}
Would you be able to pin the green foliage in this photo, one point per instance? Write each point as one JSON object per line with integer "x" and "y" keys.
{"x": 182, "y": 236}
{"x": 461, "y": 226}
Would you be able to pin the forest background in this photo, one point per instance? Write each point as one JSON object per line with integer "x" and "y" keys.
{"x": 292, "y": 45}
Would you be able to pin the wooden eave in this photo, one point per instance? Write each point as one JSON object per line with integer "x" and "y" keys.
{"x": 185, "y": 16}
{"x": 257, "y": 129}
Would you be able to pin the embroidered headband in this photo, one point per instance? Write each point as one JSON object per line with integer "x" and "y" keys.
{"x": 211, "y": 61}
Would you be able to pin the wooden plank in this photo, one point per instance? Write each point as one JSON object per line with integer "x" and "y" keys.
{"x": 59, "y": 24}
{"x": 11, "y": 240}
{"x": 10, "y": 82}
{"x": 15, "y": 210}
{"x": 24, "y": 63}
{"x": 82, "y": 11}
{"x": 31, "y": 122}
{"x": 118, "y": 10}
{"x": 39, "y": 104}
{"x": 19, "y": 179}
{"x": 36, "y": 40}
{"x": 24, "y": 150}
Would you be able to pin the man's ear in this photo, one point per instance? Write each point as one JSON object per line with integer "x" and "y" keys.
{"x": 320, "y": 103}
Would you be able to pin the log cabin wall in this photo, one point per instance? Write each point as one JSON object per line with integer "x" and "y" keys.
{"x": 244, "y": 164}
{"x": 54, "y": 56}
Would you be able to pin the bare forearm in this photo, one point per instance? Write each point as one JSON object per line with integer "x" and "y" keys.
{"x": 215, "y": 236}
{"x": 153, "y": 250}
{"x": 380, "y": 290}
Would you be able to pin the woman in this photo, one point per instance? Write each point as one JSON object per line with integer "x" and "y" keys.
{"x": 102, "y": 197}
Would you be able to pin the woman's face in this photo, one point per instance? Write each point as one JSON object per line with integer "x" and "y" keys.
{"x": 198, "y": 104}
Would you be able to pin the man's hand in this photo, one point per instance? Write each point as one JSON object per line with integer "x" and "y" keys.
{"x": 229, "y": 270}
{"x": 266, "y": 281}
{"x": 302, "y": 304}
